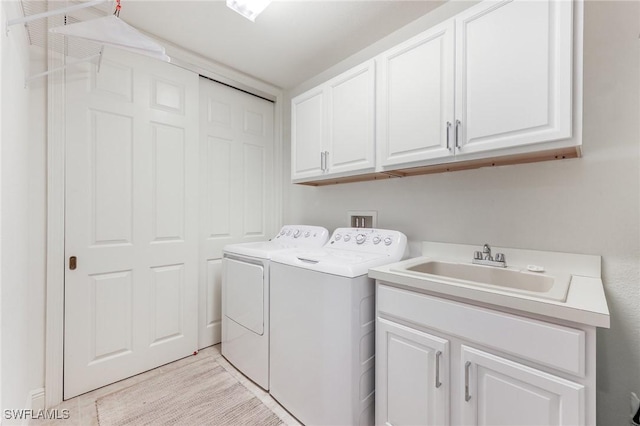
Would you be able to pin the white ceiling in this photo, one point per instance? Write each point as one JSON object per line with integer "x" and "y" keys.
{"x": 290, "y": 42}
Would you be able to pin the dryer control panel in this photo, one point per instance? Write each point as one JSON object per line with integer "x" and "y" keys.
{"x": 302, "y": 235}
{"x": 370, "y": 240}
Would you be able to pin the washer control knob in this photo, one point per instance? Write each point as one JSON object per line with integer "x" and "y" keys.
{"x": 306, "y": 234}
{"x": 338, "y": 236}
{"x": 282, "y": 232}
{"x": 288, "y": 231}
{"x": 361, "y": 238}
{"x": 347, "y": 238}
{"x": 388, "y": 241}
{"x": 376, "y": 239}
{"x": 296, "y": 234}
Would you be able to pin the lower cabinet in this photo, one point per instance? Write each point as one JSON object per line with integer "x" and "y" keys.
{"x": 498, "y": 391}
{"x": 415, "y": 389}
{"x": 430, "y": 371}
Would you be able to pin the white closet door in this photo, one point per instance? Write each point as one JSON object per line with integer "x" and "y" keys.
{"x": 131, "y": 219}
{"x": 237, "y": 187}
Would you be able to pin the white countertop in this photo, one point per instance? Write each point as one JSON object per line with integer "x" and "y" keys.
{"x": 585, "y": 303}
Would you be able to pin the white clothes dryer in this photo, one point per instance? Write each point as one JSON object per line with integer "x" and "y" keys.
{"x": 323, "y": 326}
{"x": 245, "y": 297}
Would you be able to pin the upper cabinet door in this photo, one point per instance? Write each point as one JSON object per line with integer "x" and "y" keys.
{"x": 351, "y": 115}
{"x": 415, "y": 93}
{"x": 307, "y": 132}
{"x": 513, "y": 74}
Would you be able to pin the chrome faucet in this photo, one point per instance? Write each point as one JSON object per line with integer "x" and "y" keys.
{"x": 484, "y": 258}
{"x": 486, "y": 251}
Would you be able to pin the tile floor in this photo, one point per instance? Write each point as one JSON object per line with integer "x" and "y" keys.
{"x": 82, "y": 409}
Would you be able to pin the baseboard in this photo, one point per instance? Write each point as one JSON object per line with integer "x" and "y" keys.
{"x": 36, "y": 397}
{"x": 34, "y": 403}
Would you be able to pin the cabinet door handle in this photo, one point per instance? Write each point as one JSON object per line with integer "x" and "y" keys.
{"x": 467, "y": 368}
{"x": 458, "y": 146}
{"x": 438, "y": 355}
{"x": 448, "y": 134}
{"x": 326, "y": 161}
{"x": 322, "y": 161}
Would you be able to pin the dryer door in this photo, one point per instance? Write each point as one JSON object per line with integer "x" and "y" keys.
{"x": 244, "y": 294}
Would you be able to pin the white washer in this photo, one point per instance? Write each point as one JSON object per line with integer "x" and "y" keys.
{"x": 245, "y": 297}
{"x": 323, "y": 326}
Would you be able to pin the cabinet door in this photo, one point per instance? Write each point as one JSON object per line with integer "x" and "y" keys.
{"x": 307, "y": 134}
{"x": 416, "y": 97}
{"x": 497, "y": 391}
{"x": 412, "y": 376}
{"x": 513, "y": 74}
{"x": 350, "y": 98}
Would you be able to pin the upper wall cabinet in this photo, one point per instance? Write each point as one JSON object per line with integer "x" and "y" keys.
{"x": 307, "y": 134}
{"x": 493, "y": 85}
{"x": 332, "y": 130}
{"x": 513, "y": 74}
{"x": 415, "y": 98}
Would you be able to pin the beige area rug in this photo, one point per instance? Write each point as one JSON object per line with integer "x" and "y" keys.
{"x": 200, "y": 393}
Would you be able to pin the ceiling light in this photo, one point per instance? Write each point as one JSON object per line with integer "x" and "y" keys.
{"x": 250, "y": 9}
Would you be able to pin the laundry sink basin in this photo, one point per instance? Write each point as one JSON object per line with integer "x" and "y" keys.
{"x": 554, "y": 287}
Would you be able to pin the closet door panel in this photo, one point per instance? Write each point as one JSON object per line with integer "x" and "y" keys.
{"x": 237, "y": 187}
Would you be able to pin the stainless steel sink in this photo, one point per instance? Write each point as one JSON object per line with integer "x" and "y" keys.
{"x": 509, "y": 280}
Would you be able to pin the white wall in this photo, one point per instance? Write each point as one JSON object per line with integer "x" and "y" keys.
{"x": 37, "y": 184}
{"x": 22, "y": 221}
{"x": 588, "y": 205}
{"x": 2, "y": 19}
